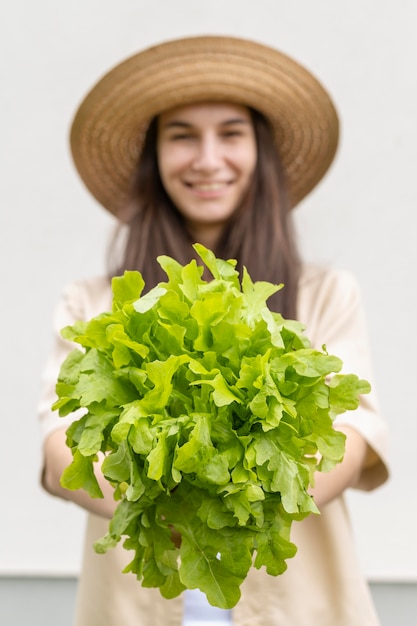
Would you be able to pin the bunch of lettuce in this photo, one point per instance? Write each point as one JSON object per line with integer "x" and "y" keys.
{"x": 213, "y": 414}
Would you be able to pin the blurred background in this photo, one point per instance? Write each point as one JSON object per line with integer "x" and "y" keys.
{"x": 362, "y": 217}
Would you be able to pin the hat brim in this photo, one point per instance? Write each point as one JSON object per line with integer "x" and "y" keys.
{"x": 109, "y": 127}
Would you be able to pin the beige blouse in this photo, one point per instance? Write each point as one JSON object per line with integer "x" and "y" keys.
{"x": 323, "y": 584}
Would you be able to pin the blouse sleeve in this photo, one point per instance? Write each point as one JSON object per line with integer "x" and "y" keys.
{"x": 330, "y": 307}
{"x": 79, "y": 301}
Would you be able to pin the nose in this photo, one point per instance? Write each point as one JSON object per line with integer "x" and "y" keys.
{"x": 208, "y": 154}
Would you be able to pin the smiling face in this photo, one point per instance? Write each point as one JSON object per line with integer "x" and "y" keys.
{"x": 206, "y": 157}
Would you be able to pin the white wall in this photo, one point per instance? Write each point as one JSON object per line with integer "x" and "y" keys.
{"x": 51, "y": 231}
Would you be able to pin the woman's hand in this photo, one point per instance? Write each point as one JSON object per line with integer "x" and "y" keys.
{"x": 57, "y": 456}
{"x": 358, "y": 455}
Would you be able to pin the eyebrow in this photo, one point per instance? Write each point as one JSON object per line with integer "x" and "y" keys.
{"x": 228, "y": 122}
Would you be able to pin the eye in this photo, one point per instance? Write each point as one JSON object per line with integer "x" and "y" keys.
{"x": 232, "y": 133}
{"x": 182, "y": 136}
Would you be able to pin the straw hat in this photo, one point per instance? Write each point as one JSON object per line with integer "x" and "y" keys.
{"x": 109, "y": 127}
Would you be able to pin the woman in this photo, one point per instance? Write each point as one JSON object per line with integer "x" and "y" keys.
{"x": 215, "y": 140}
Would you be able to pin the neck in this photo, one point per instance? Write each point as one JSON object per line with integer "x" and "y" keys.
{"x": 209, "y": 235}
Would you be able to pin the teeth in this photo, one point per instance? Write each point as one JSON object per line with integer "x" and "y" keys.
{"x": 209, "y": 186}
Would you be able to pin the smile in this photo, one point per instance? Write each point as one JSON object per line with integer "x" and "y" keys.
{"x": 207, "y": 186}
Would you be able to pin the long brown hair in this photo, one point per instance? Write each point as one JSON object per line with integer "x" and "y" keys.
{"x": 260, "y": 234}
